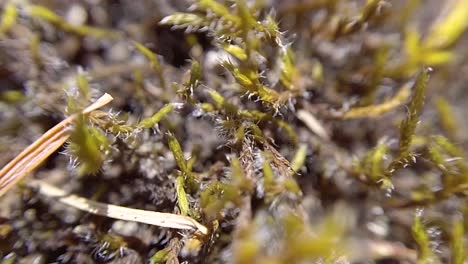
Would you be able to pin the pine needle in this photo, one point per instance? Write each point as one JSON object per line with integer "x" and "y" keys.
{"x": 30, "y": 158}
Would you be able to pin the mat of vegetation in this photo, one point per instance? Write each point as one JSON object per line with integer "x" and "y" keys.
{"x": 243, "y": 131}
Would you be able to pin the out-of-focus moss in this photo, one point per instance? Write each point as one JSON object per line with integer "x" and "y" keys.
{"x": 446, "y": 116}
{"x": 42, "y": 12}
{"x": 420, "y": 235}
{"x": 9, "y": 16}
{"x": 458, "y": 244}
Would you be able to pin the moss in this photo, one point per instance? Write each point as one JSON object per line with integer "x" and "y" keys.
{"x": 408, "y": 125}
{"x": 223, "y": 138}
{"x": 446, "y": 116}
{"x": 48, "y": 15}
{"x": 425, "y": 252}
{"x": 89, "y": 145}
{"x": 457, "y": 242}
{"x": 9, "y": 16}
{"x": 154, "y": 62}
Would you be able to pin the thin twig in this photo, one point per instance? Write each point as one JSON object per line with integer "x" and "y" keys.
{"x": 119, "y": 212}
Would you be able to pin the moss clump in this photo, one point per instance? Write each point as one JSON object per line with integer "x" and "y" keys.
{"x": 295, "y": 131}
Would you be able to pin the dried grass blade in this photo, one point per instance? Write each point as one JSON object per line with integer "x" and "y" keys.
{"x": 119, "y": 212}
{"x": 313, "y": 124}
{"x": 37, "y": 152}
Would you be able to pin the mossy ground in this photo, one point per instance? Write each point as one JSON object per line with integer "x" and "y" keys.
{"x": 296, "y": 131}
